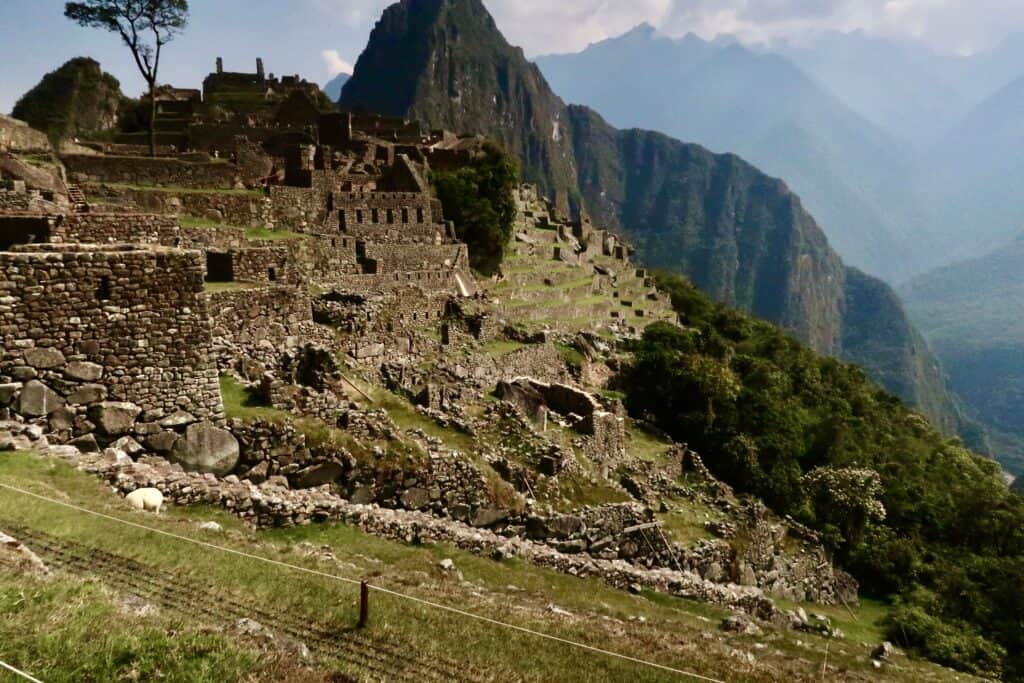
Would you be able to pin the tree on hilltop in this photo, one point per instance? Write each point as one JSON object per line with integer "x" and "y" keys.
{"x": 145, "y": 26}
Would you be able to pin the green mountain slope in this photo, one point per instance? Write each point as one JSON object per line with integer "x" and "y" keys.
{"x": 973, "y": 315}
{"x": 77, "y": 98}
{"x": 737, "y": 233}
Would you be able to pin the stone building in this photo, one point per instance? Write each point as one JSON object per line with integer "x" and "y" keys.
{"x": 106, "y": 341}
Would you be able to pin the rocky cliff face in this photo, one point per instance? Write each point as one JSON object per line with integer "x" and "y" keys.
{"x": 737, "y": 233}
{"x": 77, "y": 98}
{"x": 447, "y": 64}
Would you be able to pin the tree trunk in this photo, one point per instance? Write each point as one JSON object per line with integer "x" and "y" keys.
{"x": 152, "y": 119}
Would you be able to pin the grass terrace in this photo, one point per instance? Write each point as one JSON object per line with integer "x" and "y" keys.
{"x": 86, "y": 624}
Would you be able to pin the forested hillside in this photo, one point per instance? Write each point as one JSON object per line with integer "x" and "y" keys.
{"x": 911, "y": 513}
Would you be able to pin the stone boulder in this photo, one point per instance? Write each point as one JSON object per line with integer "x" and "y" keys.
{"x": 44, "y": 358}
{"x": 485, "y": 517}
{"x": 87, "y": 394}
{"x": 206, "y": 448}
{"x": 114, "y": 418}
{"x": 83, "y": 371}
{"x": 38, "y": 400}
{"x": 8, "y": 392}
{"x": 415, "y": 498}
{"x": 162, "y": 442}
{"x": 317, "y": 475}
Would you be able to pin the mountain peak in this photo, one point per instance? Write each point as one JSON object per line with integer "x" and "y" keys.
{"x": 445, "y": 63}
{"x": 642, "y": 30}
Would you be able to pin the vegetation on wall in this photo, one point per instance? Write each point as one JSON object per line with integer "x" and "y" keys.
{"x": 479, "y": 199}
{"x": 913, "y": 515}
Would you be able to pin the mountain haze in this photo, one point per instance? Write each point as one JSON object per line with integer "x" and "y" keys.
{"x": 851, "y": 174}
{"x": 975, "y": 174}
{"x": 972, "y": 313}
{"x": 904, "y": 88}
{"x": 737, "y": 233}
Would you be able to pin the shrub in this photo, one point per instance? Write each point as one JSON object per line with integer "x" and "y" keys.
{"x": 957, "y": 646}
{"x": 478, "y": 198}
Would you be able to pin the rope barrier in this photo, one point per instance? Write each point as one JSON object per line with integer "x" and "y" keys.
{"x": 379, "y": 589}
{"x": 16, "y": 672}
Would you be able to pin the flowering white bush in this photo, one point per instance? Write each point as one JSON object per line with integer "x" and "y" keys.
{"x": 845, "y": 494}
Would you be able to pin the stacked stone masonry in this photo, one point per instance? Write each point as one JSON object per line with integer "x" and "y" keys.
{"x": 83, "y": 325}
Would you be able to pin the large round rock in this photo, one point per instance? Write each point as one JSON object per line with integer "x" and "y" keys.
{"x": 206, "y": 448}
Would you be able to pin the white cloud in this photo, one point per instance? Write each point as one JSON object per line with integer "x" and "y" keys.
{"x": 544, "y": 26}
{"x": 552, "y": 26}
{"x": 335, "y": 64}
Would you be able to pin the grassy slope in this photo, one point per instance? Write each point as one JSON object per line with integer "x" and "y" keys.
{"x": 68, "y": 630}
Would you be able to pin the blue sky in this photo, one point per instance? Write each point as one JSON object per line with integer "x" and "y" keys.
{"x": 290, "y": 36}
{"x": 316, "y": 38}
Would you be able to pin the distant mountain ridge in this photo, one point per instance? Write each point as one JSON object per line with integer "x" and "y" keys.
{"x": 974, "y": 174}
{"x": 852, "y": 175}
{"x": 738, "y": 234}
{"x": 333, "y": 87}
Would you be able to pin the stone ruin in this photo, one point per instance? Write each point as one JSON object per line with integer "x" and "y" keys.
{"x": 270, "y": 247}
{"x": 361, "y": 226}
{"x": 578, "y": 409}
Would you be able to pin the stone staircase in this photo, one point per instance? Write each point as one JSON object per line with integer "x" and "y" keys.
{"x": 77, "y": 198}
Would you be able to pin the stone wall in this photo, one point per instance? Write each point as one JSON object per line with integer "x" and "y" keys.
{"x": 230, "y": 208}
{"x": 324, "y": 259}
{"x": 155, "y": 171}
{"x": 604, "y": 431}
{"x": 405, "y": 258}
{"x": 271, "y": 505}
{"x": 301, "y": 209}
{"x": 83, "y": 326}
{"x": 17, "y": 136}
{"x": 117, "y": 228}
{"x": 23, "y": 201}
{"x": 266, "y": 314}
{"x": 395, "y": 216}
{"x": 262, "y": 264}
{"x": 425, "y": 280}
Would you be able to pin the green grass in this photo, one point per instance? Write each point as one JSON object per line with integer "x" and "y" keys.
{"x": 412, "y": 628}
{"x": 684, "y": 523}
{"x": 644, "y": 444}
{"x": 498, "y": 348}
{"x": 404, "y": 415}
{"x": 241, "y": 403}
{"x": 570, "y": 355}
{"x": 214, "y": 287}
{"x": 252, "y": 232}
{"x": 861, "y": 623}
{"x": 69, "y": 630}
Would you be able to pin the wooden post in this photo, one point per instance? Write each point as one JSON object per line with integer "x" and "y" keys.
{"x": 364, "y": 604}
